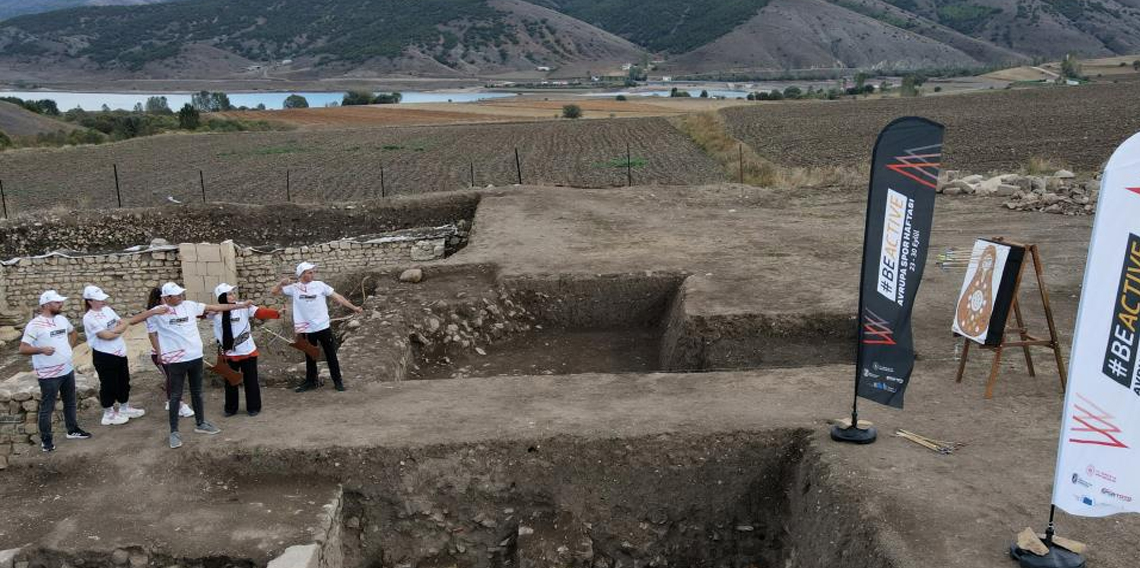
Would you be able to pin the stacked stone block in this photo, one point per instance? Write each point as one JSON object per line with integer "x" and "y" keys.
{"x": 204, "y": 266}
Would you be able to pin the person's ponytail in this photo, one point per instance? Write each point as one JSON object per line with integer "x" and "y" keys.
{"x": 227, "y": 325}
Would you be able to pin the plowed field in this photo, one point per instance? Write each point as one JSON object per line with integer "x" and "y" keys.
{"x": 1074, "y": 126}
{"x": 329, "y": 165}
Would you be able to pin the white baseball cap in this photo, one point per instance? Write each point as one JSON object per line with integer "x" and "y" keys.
{"x": 172, "y": 289}
{"x": 94, "y": 293}
{"x": 51, "y": 296}
{"x": 301, "y": 268}
{"x": 223, "y": 288}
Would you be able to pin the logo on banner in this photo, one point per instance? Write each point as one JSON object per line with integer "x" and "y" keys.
{"x": 876, "y": 329}
{"x": 920, "y": 164}
{"x": 1093, "y": 425}
{"x": 1122, "y": 355}
{"x": 1135, "y": 190}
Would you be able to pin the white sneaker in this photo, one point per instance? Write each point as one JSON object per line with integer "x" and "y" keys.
{"x": 113, "y": 418}
{"x": 130, "y": 411}
{"x": 184, "y": 411}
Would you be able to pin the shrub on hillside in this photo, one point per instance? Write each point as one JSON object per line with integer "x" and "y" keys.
{"x": 571, "y": 111}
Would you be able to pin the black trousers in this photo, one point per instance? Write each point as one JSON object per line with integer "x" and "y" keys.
{"x": 248, "y": 369}
{"x": 328, "y": 344}
{"x": 114, "y": 378}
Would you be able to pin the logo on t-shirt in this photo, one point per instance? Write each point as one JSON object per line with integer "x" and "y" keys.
{"x": 307, "y": 297}
{"x": 179, "y": 321}
{"x": 56, "y": 332}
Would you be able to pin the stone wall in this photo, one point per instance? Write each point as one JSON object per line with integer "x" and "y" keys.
{"x": 259, "y": 271}
{"x": 126, "y": 277}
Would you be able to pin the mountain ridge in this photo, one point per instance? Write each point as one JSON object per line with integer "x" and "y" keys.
{"x": 315, "y": 39}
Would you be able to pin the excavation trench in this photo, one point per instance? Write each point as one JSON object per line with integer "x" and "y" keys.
{"x": 464, "y": 321}
{"x": 623, "y": 323}
{"x": 732, "y": 500}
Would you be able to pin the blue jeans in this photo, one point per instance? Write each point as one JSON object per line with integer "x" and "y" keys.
{"x": 64, "y": 387}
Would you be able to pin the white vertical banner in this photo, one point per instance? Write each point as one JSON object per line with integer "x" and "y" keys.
{"x": 1098, "y": 459}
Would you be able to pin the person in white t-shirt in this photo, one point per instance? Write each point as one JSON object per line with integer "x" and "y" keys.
{"x": 104, "y": 330}
{"x": 48, "y": 338}
{"x": 154, "y": 298}
{"x": 181, "y": 351}
{"x": 311, "y": 320}
{"x": 234, "y": 332}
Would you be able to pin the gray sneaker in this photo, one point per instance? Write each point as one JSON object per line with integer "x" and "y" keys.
{"x": 175, "y": 440}
{"x": 207, "y": 428}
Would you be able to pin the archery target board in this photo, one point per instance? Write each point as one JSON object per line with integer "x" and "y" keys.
{"x": 987, "y": 291}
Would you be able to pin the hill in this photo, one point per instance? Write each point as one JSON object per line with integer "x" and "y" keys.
{"x": 18, "y": 122}
{"x": 317, "y": 39}
{"x": 11, "y": 8}
{"x": 435, "y": 37}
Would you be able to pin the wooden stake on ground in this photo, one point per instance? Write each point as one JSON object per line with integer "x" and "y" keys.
{"x": 1025, "y": 339}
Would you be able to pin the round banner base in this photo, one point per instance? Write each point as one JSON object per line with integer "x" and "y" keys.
{"x": 1057, "y": 558}
{"x": 853, "y": 435}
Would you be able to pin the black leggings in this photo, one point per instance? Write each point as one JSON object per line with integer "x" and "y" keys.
{"x": 114, "y": 378}
{"x": 328, "y": 343}
{"x": 248, "y": 370}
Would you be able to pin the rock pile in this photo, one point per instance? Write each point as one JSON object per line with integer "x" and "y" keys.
{"x": 1062, "y": 192}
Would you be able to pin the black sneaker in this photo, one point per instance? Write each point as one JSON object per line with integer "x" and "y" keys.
{"x": 254, "y": 412}
{"x": 339, "y": 387}
{"x": 305, "y": 386}
{"x": 228, "y": 414}
{"x": 47, "y": 446}
{"x": 78, "y": 434}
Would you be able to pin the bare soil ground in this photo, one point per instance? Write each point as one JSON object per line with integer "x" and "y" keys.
{"x": 1075, "y": 126}
{"x": 341, "y": 165}
{"x": 748, "y": 251}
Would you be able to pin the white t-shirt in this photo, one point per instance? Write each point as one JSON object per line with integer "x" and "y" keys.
{"x": 53, "y": 332}
{"x": 103, "y": 320}
{"x": 310, "y": 309}
{"x": 151, "y": 328}
{"x": 178, "y": 336}
{"x": 243, "y": 330}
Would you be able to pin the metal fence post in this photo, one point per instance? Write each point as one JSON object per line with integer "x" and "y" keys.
{"x": 383, "y": 190}
{"x": 202, "y": 182}
{"x": 628, "y": 167}
{"x": 741, "y": 149}
{"x": 3, "y": 199}
{"x": 518, "y": 165}
{"x": 472, "y": 174}
{"x": 288, "y": 197}
{"x": 118, "y": 194}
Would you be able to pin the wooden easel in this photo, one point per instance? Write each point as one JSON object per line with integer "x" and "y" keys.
{"x": 1025, "y": 339}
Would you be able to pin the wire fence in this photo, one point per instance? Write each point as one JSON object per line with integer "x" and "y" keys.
{"x": 322, "y": 166}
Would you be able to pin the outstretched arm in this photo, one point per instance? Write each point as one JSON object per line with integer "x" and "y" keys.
{"x": 228, "y": 307}
{"x": 344, "y": 302}
{"x": 142, "y": 316}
